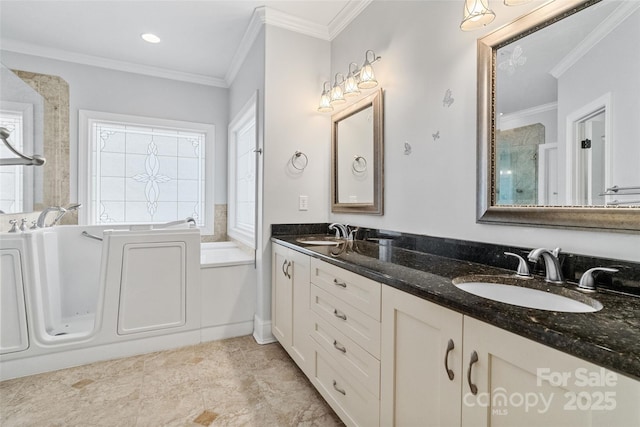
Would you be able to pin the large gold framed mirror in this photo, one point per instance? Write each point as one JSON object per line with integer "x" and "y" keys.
{"x": 558, "y": 105}
{"x": 357, "y": 151}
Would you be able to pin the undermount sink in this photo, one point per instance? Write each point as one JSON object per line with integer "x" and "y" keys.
{"x": 320, "y": 240}
{"x": 518, "y": 294}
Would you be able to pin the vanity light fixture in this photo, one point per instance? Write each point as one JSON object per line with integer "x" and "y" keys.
{"x": 367, "y": 77}
{"x": 337, "y": 93}
{"x": 357, "y": 78}
{"x": 476, "y": 14}
{"x": 325, "y": 99}
{"x": 150, "y": 38}
{"x": 351, "y": 84}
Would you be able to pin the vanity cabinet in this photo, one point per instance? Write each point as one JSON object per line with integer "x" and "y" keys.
{"x": 521, "y": 382}
{"x": 290, "y": 322}
{"x": 383, "y": 357}
{"x": 421, "y": 372}
{"x": 345, "y": 314}
{"x": 516, "y": 381}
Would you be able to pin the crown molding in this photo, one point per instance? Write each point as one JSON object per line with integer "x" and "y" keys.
{"x": 538, "y": 109}
{"x": 621, "y": 13}
{"x": 345, "y": 16}
{"x": 249, "y": 37}
{"x": 292, "y": 23}
{"x": 96, "y": 61}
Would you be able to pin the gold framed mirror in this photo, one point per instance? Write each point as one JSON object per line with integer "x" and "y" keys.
{"x": 567, "y": 159}
{"x": 357, "y": 151}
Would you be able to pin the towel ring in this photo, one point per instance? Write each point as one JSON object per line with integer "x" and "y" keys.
{"x": 296, "y": 156}
{"x": 359, "y": 164}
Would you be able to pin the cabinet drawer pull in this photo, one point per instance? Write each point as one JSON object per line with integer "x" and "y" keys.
{"x": 339, "y": 390}
{"x": 450, "y": 346}
{"x": 339, "y": 315}
{"x": 341, "y": 284}
{"x": 472, "y": 386}
{"x": 339, "y": 347}
{"x": 288, "y": 266}
{"x": 283, "y": 266}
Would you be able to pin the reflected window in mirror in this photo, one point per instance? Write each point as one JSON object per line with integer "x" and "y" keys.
{"x": 16, "y": 182}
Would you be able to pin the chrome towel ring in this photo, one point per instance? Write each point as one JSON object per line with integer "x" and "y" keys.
{"x": 299, "y": 160}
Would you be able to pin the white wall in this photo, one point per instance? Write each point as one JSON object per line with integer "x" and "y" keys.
{"x": 249, "y": 80}
{"x": 423, "y": 54}
{"x": 608, "y": 67}
{"x": 296, "y": 66}
{"x": 99, "y": 89}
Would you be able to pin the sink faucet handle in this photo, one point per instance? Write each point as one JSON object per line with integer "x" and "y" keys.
{"x": 556, "y": 252}
{"x": 588, "y": 282}
{"x": 523, "y": 267}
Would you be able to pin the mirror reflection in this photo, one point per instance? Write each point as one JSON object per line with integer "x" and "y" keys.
{"x": 35, "y": 108}
{"x": 357, "y": 151}
{"x": 21, "y": 114}
{"x": 355, "y": 147}
{"x": 566, "y": 109}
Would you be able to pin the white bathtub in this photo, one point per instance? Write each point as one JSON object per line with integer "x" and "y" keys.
{"x": 81, "y": 300}
{"x": 229, "y": 283}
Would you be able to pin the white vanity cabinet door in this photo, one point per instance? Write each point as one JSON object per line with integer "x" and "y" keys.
{"x": 415, "y": 385}
{"x": 524, "y": 383}
{"x": 281, "y": 296}
{"x": 290, "y": 319}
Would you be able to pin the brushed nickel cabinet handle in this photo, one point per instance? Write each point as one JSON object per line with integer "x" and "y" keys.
{"x": 341, "y": 284}
{"x": 472, "y": 386}
{"x": 450, "y": 346}
{"x": 283, "y": 266}
{"x": 288, "y": 266}
{"x": 339, "y": 347}
{"x": 339, "y": 315}
{"x": 339, "y": 390}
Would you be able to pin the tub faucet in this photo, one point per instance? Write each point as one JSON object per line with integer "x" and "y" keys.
{"x": 41, "y": 222}
{"x": 42, "y": 218}
{"x": 551, "y": 263}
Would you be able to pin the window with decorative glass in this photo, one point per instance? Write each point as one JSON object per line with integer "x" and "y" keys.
{"x": 145, "y": 170}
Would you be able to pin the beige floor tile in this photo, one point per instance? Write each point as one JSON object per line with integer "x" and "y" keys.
{"x": 233, "y": 382}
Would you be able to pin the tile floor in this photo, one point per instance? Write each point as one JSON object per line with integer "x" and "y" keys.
{"x": 233, "y": 382}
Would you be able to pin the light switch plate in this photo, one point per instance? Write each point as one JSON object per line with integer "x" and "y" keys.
{"x": 303, "y": 203}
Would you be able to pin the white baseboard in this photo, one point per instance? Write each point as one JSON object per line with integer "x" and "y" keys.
{"x": 222, "y": 332}
{"x": 262, "y": 331}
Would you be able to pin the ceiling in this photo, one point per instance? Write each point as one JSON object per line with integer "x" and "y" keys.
{"x": 201, "y": 40}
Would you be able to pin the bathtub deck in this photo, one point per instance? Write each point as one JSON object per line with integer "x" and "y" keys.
{"x": 224, "y": 383}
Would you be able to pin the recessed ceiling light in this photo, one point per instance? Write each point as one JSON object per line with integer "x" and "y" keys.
{"x": 151, "y": 38}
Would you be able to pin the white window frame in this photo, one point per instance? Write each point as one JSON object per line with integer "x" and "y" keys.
{"x": 247, "y": 115}
{"x": 86, "y": 119}
{"x": 28, "y": 148}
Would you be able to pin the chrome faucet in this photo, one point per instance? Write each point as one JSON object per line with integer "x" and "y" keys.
{"x": 41, "y": 222}
{"x": 551, "y": 263}
{"x": 341, "y": 230}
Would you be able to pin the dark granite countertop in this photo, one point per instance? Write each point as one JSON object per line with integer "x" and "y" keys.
{"x": 609, "y": 337}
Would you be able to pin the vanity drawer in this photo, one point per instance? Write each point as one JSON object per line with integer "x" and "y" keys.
{"x": 351, "y": 401}
{"x": 362, "y": 329}
{"x": 364, "y": 367}
{"x": 360, "y": 292}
